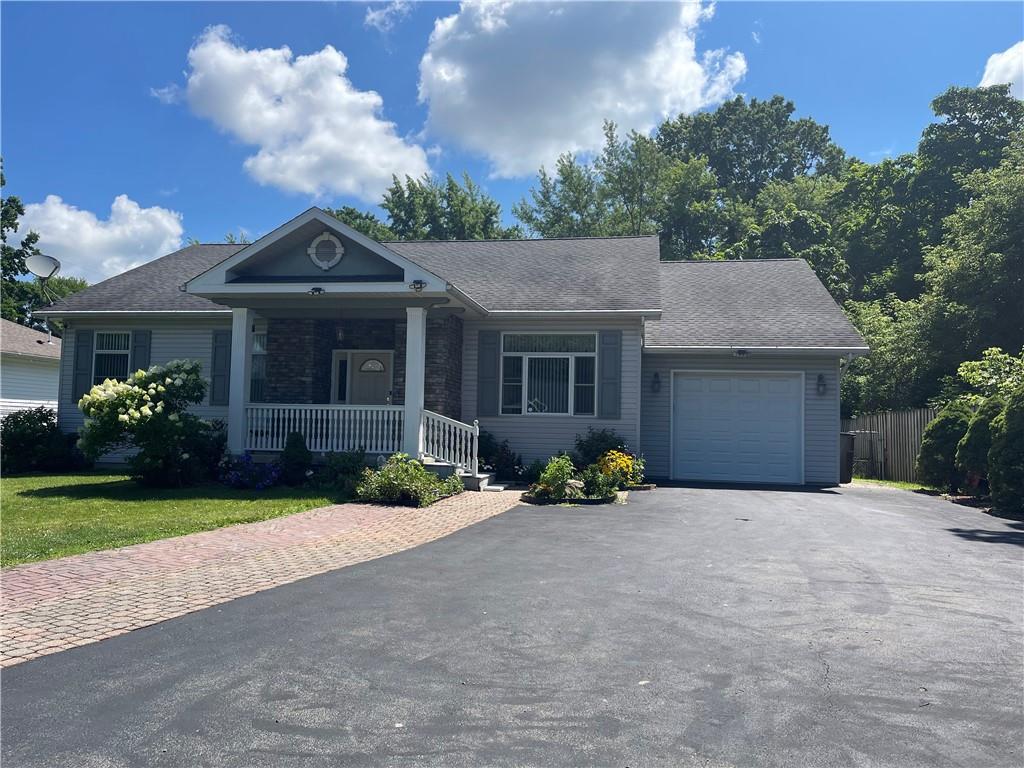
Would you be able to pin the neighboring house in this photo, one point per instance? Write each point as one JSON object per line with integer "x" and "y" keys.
{"x": 716, "y": 371}
{"x": 29, "y": 368}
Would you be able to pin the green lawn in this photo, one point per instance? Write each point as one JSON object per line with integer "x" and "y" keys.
{"x": 894, "y": 484}
{"x": 47, "y": 516}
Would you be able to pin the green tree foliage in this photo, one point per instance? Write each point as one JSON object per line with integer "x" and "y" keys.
{"x": 695, "y": 216}
{"x": 363, "y": 221}
{"x": 425, "y": 209}
{"x": 972, "y": 450}
{"x": 752, "y": 143}
{"x": 1006, "y": 456}
{"x": 15, "y": 295}
{"x": 633, "y": 175}
{"x": 566, "y": 204}
{"x": 936, "y": 461}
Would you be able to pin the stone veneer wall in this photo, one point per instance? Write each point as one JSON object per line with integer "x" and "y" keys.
{"x": 299, "y": 358}
{"x": 443, "y": 385}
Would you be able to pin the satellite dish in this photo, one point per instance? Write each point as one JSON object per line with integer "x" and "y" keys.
{"x": 42, "y": 266}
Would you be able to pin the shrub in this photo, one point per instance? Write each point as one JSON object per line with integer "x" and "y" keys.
{"x": 590, "y": 447}
{"x": 936, "y": 461}
{"x": 499, "y": 458}
{"x": 557, "y": 481}
{"x": 147, "y": 412}
{"x": 1006, "y": 456}
{"x": 341, "y": 472}
{"x": 597, "y": 484}
{"x": 243, "y": 472}
{"x": 972, "y": 450}
{"x": 31, "y": 441}
{"x": 531, "y": 474}
{"x": 296, "y": 460}
{"x": 405, "y": 481}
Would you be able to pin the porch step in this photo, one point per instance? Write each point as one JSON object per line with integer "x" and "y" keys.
{"x": 478, "y": 482}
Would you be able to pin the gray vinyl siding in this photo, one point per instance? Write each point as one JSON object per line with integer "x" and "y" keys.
{"x": 821, "y": 413}
{"x": 171, "y": 340}
{"x": 27, "y": 382}
{"x": 542, "y": 436}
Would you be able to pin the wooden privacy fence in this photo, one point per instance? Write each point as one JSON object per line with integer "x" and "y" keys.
{"x": 885, "y": 445}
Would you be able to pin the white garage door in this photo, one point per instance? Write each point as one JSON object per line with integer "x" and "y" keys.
{"x": 737, "y": 427}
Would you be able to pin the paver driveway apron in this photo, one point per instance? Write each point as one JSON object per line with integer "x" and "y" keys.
{"x": 59, "y": 604}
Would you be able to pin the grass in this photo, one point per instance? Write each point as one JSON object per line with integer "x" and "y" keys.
{"x": 907, "y": 486}
{"x": 47, "y": 516}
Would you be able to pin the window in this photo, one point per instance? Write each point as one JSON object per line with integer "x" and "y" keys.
{"x": 258, "y": 376}
{"x": 372, "y": 366}
{"x": 548, "y": 373}
{"x": 340, "y": 377}
{"x": 110, "y": 356}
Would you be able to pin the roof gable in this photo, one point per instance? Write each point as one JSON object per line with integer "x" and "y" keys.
{"x": 291, "y": 259}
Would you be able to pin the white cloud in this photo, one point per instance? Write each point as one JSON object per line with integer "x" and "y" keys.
{"x": 316, "y": 133}
{"x": 169, "y": 94}
{"x": 95, "y": 249}
{"x": 384, "y": 19}
{"x": 1006, "y": 67}
{"x": 522, "y": 82}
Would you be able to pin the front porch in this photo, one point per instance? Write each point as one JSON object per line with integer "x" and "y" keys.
{"x": 385, "y": 380}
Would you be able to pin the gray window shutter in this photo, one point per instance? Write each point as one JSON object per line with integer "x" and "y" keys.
{"x": 609, "y": 385}
{"x": 141, "y": 343}
{"x": 487, "y": 373}
{"x": 220, "y": 367}
{"x": 81, "y": 381}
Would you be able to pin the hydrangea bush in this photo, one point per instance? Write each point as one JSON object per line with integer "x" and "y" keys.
{"x": 148, "y": 412}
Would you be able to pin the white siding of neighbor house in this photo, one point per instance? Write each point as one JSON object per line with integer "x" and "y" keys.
{"x": 821, "y": 412}
{"x": 185, "y": 339}
{"x": 542, "y": 436}
{"x": 27, "y": 382}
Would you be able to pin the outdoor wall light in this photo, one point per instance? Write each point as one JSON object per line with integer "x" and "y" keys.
{"x": 656, "y": 382}
{"x": 316, "y": 291}
{"x": 821, "y": 384}
{"x": 740, "y": 353}
{"x": 418, "y": 285}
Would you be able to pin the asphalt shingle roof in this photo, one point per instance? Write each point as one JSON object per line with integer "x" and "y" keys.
{"x": 16, "y": 339}
{"x": 608, "y": 273}
{"x": 152, "y": 287}
{"x": 757, "y": 303}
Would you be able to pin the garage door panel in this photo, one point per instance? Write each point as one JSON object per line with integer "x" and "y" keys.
{"x": 742, "y": 427}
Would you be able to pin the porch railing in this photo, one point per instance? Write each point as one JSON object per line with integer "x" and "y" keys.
{"x": 374, "y": 428}
{"x": 451, "y": 441}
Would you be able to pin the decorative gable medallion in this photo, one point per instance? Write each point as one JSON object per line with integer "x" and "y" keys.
{"x": 326, "y": 251}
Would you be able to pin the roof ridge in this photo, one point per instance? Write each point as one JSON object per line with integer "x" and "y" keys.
{"x": 726, "y": 261}
{"x": 523, "y": 239}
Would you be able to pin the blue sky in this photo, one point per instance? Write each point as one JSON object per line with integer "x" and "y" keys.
{"x": 102, "y": 106}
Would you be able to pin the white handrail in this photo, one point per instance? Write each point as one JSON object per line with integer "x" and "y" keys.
{"x": 452, "y": 441}
{"x": 326, "y": 428}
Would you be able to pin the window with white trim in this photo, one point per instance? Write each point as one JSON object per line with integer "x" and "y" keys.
{"x": 548, "y": 373}
{"x": 111, "y": 352}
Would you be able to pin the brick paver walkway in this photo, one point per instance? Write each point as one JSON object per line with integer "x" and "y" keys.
{"x": 59, "y": 604}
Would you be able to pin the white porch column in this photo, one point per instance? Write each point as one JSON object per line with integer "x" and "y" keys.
{"x": 415, "y": 370}
{"x": 238, "y": 383}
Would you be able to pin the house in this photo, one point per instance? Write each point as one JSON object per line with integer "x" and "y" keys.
{"x": 715, "y": 371}
{"x": 29, "y": 368}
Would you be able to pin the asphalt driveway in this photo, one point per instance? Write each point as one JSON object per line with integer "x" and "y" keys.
{"x": 703, "y": 627}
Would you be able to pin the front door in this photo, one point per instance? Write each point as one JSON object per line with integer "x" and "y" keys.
{"x": 371, "y": 377}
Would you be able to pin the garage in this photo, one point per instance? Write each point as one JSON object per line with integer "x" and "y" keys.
{"x": 737, "y": 427}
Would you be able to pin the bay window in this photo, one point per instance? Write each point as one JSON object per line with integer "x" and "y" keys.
{"x": 548, "y": 373}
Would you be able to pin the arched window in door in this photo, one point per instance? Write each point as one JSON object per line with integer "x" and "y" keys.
{"x": 373, "y": 365}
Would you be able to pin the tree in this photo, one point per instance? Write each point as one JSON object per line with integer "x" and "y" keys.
{"x": 365, "y": 222}
{"x": 57, "y": 288}
{"x": 749, "y": 144}
{"x": 976, "y": 125}
{"x": 1006, "y": 456}
{"x": 568, "y": 204}
{"x": 975, "y": 276}
{"x": 424, "y": 209}
{"x": 12, "y": 260}
{"x": 240, "y": 239}
{"x": 633, "y": 172}
{"x": 936, "y": 461}
{"x": 695, "y": 218}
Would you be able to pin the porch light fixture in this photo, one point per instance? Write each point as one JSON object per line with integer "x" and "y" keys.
{"x": 740, "y": 352}
{"x": 418, "y": 285}
{"x": 316, "y": 291}
{"x": 821, "y": 384}
{"x": 656, "y": 382}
